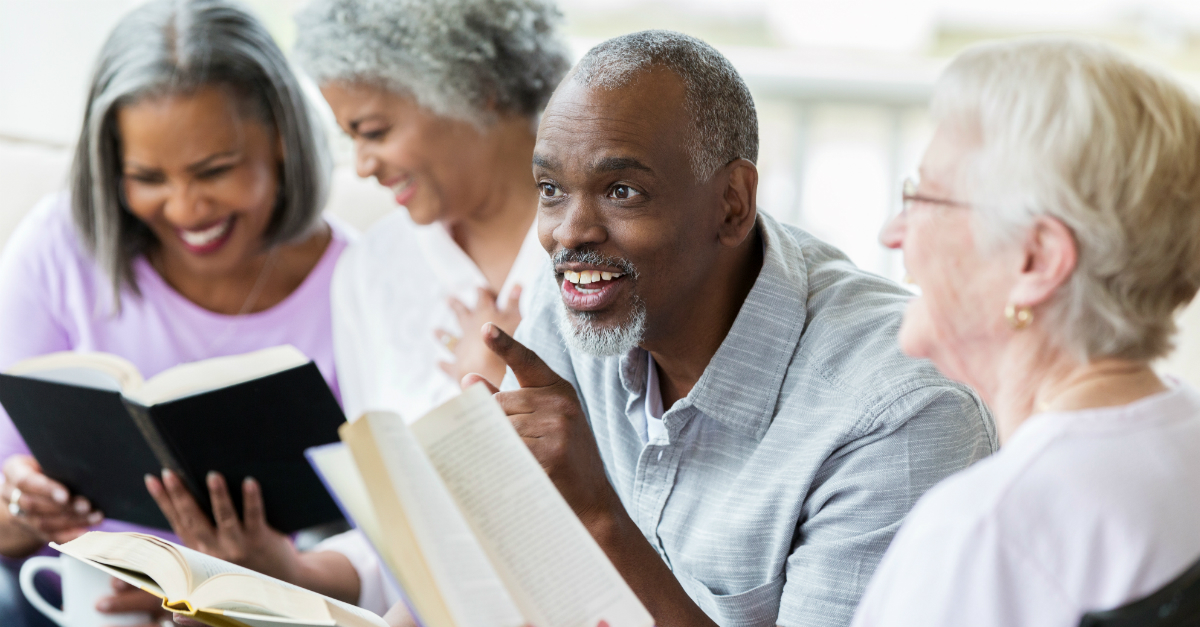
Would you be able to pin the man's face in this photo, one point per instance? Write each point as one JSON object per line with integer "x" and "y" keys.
{"x": 619, "y": 198}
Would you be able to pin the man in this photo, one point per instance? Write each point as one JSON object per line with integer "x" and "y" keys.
{"x": 719, "y": 397}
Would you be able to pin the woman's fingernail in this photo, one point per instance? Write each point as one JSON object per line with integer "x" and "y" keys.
{"x": 103, "y": 605}
{"x": 81, "y": 506}
{"x": 212, "y": 478}
{"x": 60, "y": 495}
{"x": 493, "y": 331}
{"x": 95, "y": 518}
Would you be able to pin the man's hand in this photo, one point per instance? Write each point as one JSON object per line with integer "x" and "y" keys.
{"x": 548, "y": 416}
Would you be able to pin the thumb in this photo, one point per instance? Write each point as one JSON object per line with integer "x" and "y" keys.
{"x": 530, "y": 370}
{"x": 473, "y": 378}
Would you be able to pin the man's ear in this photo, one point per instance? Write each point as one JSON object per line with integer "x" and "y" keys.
{"x": 739, "y": 197}
{"x": 1049, "y": 258}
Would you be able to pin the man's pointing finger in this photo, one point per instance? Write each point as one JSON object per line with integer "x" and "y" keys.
{"x": 530, "y": 370}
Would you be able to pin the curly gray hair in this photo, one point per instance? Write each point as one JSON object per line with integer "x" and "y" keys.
{"x": 724, "y": 120}
{"x": 466, "y": 59}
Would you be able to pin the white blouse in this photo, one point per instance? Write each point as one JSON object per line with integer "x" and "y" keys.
{"x": 1080, "y": 511}
{"x": 389, "y": 295}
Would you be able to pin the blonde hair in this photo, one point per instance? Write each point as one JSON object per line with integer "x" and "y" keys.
{"x": 1080, "y": 132}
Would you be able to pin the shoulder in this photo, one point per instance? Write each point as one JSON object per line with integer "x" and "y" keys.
{"x": 388, "y": 245}
{"x": 850, "y": 343}
{"x": 46, "y": 237}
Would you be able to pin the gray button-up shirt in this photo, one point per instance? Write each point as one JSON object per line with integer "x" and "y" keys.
{"x": 790, "y": 464}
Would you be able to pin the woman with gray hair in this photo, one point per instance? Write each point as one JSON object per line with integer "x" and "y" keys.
{"x": 1054, "y": 233}
{"x": 441, "y": 99}
{"x": 192, "y": 229}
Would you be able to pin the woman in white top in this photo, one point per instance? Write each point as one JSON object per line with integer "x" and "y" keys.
{"x": 441, "y": 100}
{"x": 1054, "y": 233}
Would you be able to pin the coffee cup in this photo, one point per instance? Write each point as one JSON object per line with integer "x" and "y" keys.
{"x": 82, "y": 586}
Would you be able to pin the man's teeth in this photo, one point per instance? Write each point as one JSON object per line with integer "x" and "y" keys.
{"x": 207, "y": 236}
{"x": 590, "y": 276}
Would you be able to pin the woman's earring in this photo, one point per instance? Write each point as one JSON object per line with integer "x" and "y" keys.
{"x": 1018, "y": 317}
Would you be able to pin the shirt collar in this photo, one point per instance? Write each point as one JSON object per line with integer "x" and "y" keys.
{"x": 741, "y": 384}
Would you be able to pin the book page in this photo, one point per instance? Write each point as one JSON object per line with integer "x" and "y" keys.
{"x": 335, "y": 465}
{"x": 134, "y": 552}
{"x": 555, "y": 571}
{"x": 92, "y": 370}
{"x": 469, "y": 585}
{"x": 188, "y": 577}
{"x": 216, "y": 373}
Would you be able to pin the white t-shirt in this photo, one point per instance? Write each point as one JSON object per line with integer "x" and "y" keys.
{"x": 389, "y": 295}
{"x": 1081, "y": 511}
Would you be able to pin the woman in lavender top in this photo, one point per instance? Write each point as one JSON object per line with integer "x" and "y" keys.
{"x": 192, "y": 230}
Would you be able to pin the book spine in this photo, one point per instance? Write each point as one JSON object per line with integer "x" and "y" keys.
{"x": 162, "y": 451}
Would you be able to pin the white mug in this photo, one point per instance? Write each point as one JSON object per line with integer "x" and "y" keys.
{"x": 82, "y": 586}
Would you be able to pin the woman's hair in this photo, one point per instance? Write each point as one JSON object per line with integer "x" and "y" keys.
{"x": 1082, "y": 133}
{"x": 464, "y": 59}
{"x": 172, "y": 47}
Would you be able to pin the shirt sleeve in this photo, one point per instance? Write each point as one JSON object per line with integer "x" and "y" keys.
{"x": 376, "y": 593}
{"x": 943, "y": 571}
{"x": 29, "y": 324}
{"x": 351, "y": 351}
{"x": 864, "y": 490}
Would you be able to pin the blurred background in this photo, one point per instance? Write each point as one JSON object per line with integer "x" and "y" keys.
{"x": 841, "y": 89}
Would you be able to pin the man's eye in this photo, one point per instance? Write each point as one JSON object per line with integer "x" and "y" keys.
{"x": 549, "y": 190}
{"x": 373, "y": 135}
{"x": 623, "y": 192}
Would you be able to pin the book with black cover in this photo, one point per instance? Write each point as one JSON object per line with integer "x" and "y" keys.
{"x": 98, "y": 429}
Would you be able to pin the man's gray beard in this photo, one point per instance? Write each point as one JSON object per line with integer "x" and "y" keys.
{"x": 577, "y": 329}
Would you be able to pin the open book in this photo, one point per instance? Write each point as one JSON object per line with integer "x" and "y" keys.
{"x": 470, "y": 525}
{"x": 209, "y": 589}
{"x": 96, "y": 426}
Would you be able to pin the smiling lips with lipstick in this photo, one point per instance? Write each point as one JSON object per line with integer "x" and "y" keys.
{"x": 208, "y": 239}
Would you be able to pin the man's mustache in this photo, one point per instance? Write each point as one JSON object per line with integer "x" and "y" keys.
{"x": 593, "y": 258}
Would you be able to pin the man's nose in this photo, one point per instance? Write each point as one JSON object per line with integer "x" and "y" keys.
{"x": 580, "y": 226}
{"x": 892, "y": 234}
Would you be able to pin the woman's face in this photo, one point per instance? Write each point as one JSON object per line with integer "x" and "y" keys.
{"x": 434, "y": 165}
{"x": 959, "y": 315}
{"x": 202, "y": 176}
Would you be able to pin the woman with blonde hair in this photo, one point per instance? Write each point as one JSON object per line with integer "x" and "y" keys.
{"x": 1054, "y": 234}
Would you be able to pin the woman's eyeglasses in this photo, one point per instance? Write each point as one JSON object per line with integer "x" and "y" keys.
{"x": 909, "y": 197}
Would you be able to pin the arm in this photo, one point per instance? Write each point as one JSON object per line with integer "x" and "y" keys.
{"x": 547, "y": 414}
{"x": 30, "y": 271}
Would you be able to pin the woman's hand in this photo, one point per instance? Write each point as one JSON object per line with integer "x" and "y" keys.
{"x": 470, "y": 353}
{"x": 248, "y": 542}
{"x": 126, "y": 598}
{"x": 45, "y": 506}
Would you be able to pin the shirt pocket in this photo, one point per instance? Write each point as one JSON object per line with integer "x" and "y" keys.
{"x": 755, "y": 607}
